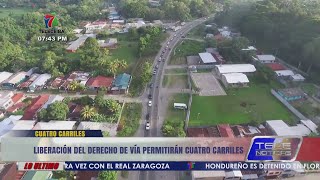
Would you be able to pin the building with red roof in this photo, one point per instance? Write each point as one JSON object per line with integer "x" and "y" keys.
{"x": 99, "y": 81}
{"x": 36, "y": 104}
{"x": 8, "y": 171}
{"x": 225, "y": 130}
{"x": 17, "y": 98}
{"x": 276, "y": 66}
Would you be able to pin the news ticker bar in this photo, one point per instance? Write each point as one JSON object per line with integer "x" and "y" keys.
{"x": 163, "y": 166}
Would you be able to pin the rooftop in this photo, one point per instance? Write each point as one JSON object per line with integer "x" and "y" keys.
{"x": 16, "y": 78}
{"x": 276, "y": 66}
{"x": 203, "y": 132}
{"x": 41, "y": 80}
{"x": 280, "y": 128}
{"x": 36, "y": 104}
{"x": 55, "y": 125}
{"x": 100, "y": 81}
{"x": 52, "y": 99}
{"x": 266, "y": 57}
{"x": 207, "y": 58}
{"x": 297, "y": 77}
{"x": 309, "y": 124}
{"x": 290, "y": 92}
{"x": 122, "y": 81}
{"x": 284, "y": 73}
{"x": 236, "y": 78}
{"x": 4, "y": 76}
{"x": 225, "y": 130}
{"x": 24, "y": 125}
{"x": 236, "y": 68}
{"x": 109, "y": 127}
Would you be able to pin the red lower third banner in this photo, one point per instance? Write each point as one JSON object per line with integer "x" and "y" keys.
{"x": 310, "y": 150}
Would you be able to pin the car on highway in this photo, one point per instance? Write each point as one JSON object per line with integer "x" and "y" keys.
{"x": 150, "y": 103}
{"x": 149, "y": 96}
{"x": 175, "y": 35}
{"x": 159, "y": 60}
{"x": 147, "y": 116}
{"x": 154, "y": 72}
{"x": 147, "y": 125}
{"x": 183, "y": 36}
{"x": 171, "y": 39}
{"x": 151, "y": 85}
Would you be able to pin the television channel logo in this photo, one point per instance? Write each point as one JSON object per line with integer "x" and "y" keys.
{"x": 50, "y": 20}
{"x": 190, "y": 165}
{"x": 268, "y": 148}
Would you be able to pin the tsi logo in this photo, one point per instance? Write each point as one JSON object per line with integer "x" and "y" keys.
{"x": 274, "y": 148}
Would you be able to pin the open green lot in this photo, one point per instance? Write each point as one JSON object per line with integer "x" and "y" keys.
{"x": 127, "y": 51}
{"x": 130, "y": 118}
{"x": 4, "y": 12}
{"x": 175, "y": 81}
{"x": 177, "y": 115}
{"x": 240, "y": 106}
{"x": 186, "y": 48}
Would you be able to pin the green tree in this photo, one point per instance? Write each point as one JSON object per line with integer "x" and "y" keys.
{"x": 146, "y": 73}
{"x": 88, "y": 112}
{"x": 73, "y": 86}
{"x": 57, "y": 111}
{"x": 107, "y": 175}
{"x": 42, "y": 115}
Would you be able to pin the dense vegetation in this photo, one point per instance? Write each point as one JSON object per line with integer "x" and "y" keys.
{"x": 168, "y": 9}
{"x": 288, "y": 28}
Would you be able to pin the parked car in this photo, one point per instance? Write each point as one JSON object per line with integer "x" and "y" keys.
{"x": 150, "y": 103}
{"x": 147, "y": 125}
{"x": 149, "y": 96}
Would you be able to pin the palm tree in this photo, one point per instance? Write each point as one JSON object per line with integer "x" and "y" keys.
{"x": 88, "y": 112}
{"x": 73, "y": 86}
{"x": 116, "y": 65}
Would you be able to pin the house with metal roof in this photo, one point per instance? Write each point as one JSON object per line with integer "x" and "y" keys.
{"x": 235, "y": 68}
{"x": 55, "y": 125}
{"x": 4, "y": 76}
{"x": 266, "y": 58}
{"x": 207, "y": 58}
{"x": 280, "y": 128}
{"x": 14, "y": 80}
{"x": 52, "y": 99}
{"x": 235, "y": 80}
{"x": 39, "y": 82}
{"x": 121, "y": 83}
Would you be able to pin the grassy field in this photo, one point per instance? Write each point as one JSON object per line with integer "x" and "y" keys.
{"x": 175, "y": 81}
{"x": 177, "y": 115}
{"x": 186, "y": 48}
{"x": 175, "y": 71}
{"x": 127, "y": 51}
{"x": 198, "y": 32}
{"x": 129, "y": 122}
{"x": 240, "y": 106}
{"x": 309, "y": 88}
{"x": 4, "y": 12}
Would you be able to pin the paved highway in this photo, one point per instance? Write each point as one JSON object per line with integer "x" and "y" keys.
{"x": 155, "y": 125}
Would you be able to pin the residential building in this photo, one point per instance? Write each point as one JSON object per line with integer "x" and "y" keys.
{"x": 235, "y": 68}
{"x": 111, "y": 128}
{"x": 98, "y": 82}
{"x": 16, "y": 107}
{"x": 33, "y": 108}
{"x": 284, "y": 73}
{"x": 39, "y": 83}
{"x": 266, "y": 58}
{"x": 207, "y": 58}
{"x": 55, "y": 125}
{"x": 291, "y": 94}
{"x": 8, "y": 123}
{"x": 280, "y": 128}
{"x": 52, "y": 99}
{"x": 235, "y": 80}
{"x": 110, "y": 43}
{"x": 276, "y": 66}
{"x": 94, "y": 26}
{"x": 4, "y": 76}
{"x": 212, "y": 131}
{"x": 25, "y": 85}
{"x": 17, "y": 98}
{"x": 225, "y": 32}
{"x": 24, "y": 125}
{"x": 121, "y": 84}
{"x": 5, "y": 100}
{"x": 209, "y": 36}
{"x": 36, "y": 175}
{"x": 74, "y": 111}
{"x": 79, "y": 42}
{"x": 225, "y": 130}
{"x": 14, "y": 80}
{"x": 297, "y": 78}
{"x": 78, "y": 76}
{"x": 56, "y": 83}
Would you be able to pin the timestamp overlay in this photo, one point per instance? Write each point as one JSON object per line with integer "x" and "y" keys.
{"x": 53, "y": 38}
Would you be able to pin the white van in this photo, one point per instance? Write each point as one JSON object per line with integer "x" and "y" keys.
{"x": 180, "y": 106}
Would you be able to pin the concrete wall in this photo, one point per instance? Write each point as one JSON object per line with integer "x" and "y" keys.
{"x": 288, "y": 105}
